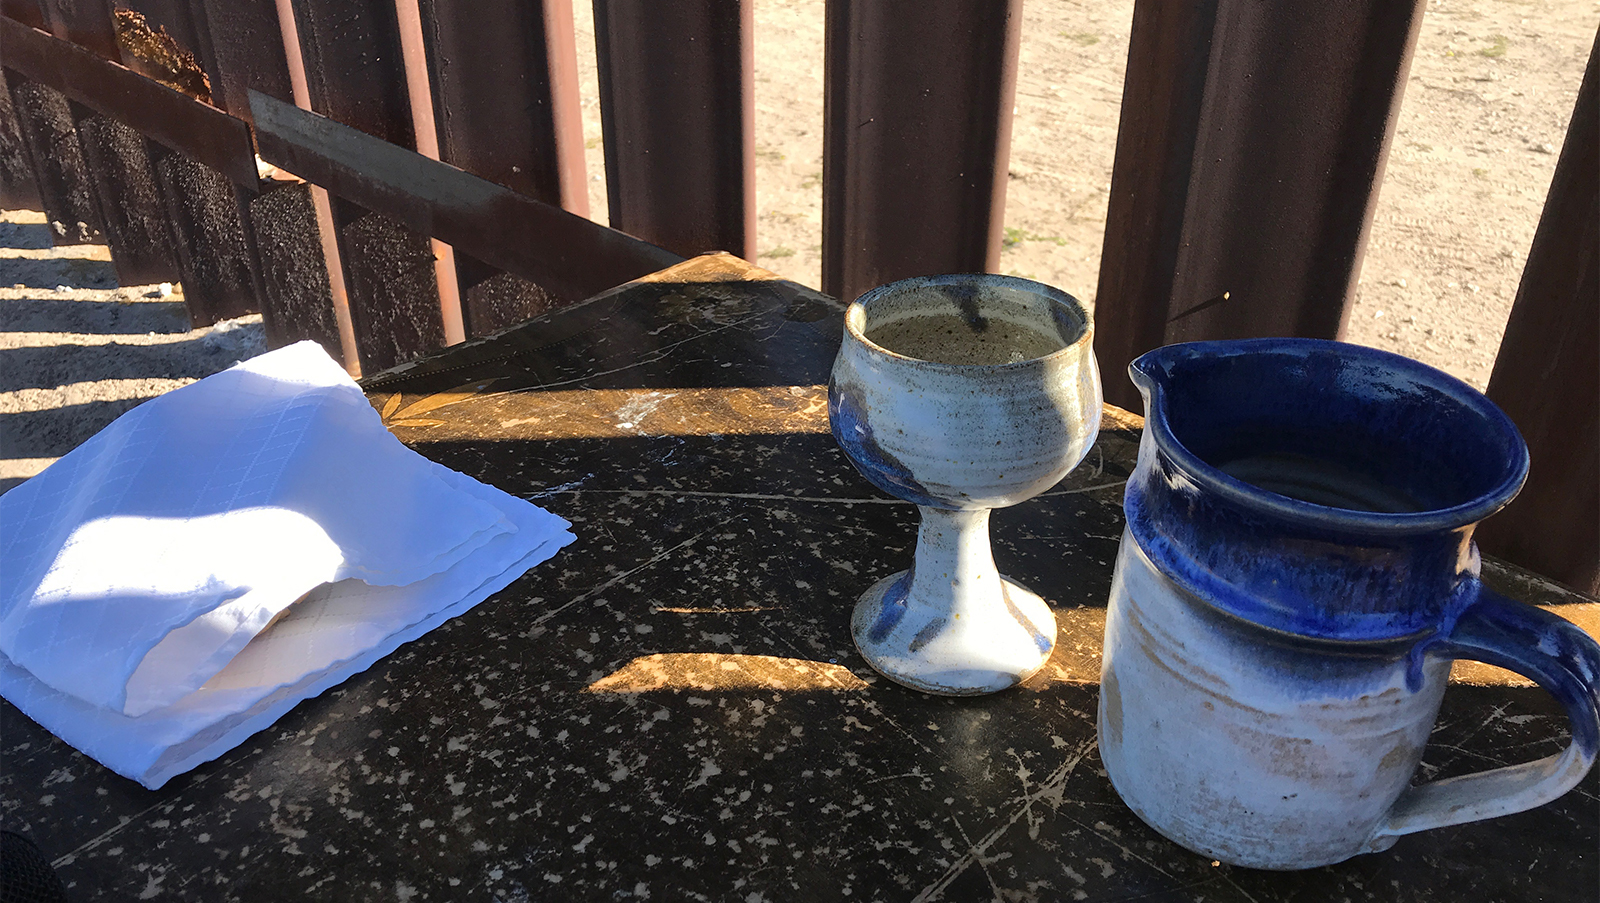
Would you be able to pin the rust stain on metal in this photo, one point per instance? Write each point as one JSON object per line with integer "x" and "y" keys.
{"x": 197, "y": 130}
{"x": 154, "y": 53}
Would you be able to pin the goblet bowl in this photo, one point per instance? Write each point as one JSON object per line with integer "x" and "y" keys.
{"x": 961, "y": 394}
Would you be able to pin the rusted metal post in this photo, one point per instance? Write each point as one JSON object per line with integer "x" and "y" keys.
{"x": 289, "y": 247}
{"x": 1252, "y": 143}
{"x": 215, "y": 253}
{"x": 419, "y": 93}
{"x": 355, "y": 74}
{"x": 918, "y": 103}
{"x": 66, "y": 190}
{"x": 241, "y": 51}
{"x": 235, "y": 43}
{"x": 506, "y": 74}
{"x": 678, "y": 111}
{"x": 321, "y": 203}
{"x": 1547, "y": 374}
{"x": 17, "y": 188}
{"x": 132, "y": 213}
{"x": 44, "y": 124}
{"x": 117, "y": 159}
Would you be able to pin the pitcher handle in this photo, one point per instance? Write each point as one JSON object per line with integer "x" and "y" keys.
{"x": 1553, "y": 652}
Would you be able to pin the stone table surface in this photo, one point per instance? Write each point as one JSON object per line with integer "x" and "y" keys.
{"x": 672, "y": 707}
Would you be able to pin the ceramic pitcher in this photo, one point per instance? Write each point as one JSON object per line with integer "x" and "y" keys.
{"x": 1296, "y": 577}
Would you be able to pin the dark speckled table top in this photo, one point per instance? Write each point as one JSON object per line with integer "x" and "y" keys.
{"x": 672, "y": 708}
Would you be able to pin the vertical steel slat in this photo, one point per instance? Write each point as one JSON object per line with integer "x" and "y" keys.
{"x": 355, "y": 74}
{"x": 215, "y": 253}
{"x": 44, "y": 124}
{"x": 242, "y": 50}
{"x": 132, "y": 212}
{"x": 392, "y": 268}
{"x": 289, "y": 247}
{"x": 240, "y": 47}
{"x": 143, "y": 237}
{"x": 1547, "y": 373}
{"x": 86, "y": 23}
{"x": 419, "y": 93}
{"x": 321, "y": 203}
{"x": 917, "y": 117}
{"x": 27, "y": 12}
{"x": 17, "y": 187}
{"x": 677, "y": 110}
{"x": 505, "y": 84}
{"x": 1253, "y": 140}
{"x": 66, "y": 190}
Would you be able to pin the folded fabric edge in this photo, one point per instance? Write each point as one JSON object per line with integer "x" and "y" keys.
{"x": 60, "y": 714}
{"x": 234, "y": 731}
{"x": 151, "y": 687}
{"x": 525, "y": 521}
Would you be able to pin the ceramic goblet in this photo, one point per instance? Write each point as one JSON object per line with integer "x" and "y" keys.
{"x": 961, "y": 394}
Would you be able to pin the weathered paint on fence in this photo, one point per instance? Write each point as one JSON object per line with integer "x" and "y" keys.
{"x": 917, "y": 121}
{"x": 1547, "y": 373}
{"x": 1252, "y": 142}
{"x": 678, "y": 111}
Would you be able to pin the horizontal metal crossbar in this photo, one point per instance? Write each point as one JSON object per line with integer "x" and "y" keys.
{"x": 567, "y": 255}
{"x": 195, "y": 129}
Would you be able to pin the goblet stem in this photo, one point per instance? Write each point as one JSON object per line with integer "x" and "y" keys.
{"x": 952, "y": 624}
{"x": 955, "y": 572}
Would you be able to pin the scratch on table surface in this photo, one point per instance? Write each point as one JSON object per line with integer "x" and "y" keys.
{"x": 894, "y": 777}
{"x": 1108, "y": 838}
{"x": 563, "y": 489}
{"x": 872, "y": 708}
{"x": 1051, "y": 786}
{"x": 1079, "y": 490}
{"x": 652, "y": 357}
{"x": 734, "y": 496}
{"x": 122, "y": 822}
{"x": 1235, "y": 885}
{"x": 1023, "y": 773}
{"x": 1497, "y": 714}
{"x": 978, "y": 858}
{"x": 659, "y": 556}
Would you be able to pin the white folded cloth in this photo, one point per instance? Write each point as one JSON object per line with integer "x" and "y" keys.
{"x": 142, "y": 570}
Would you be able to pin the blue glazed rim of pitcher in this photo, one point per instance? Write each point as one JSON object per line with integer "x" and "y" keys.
{"x": 1503, "y": 438}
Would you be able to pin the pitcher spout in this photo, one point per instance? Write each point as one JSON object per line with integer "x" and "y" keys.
{"x": 1257, "y": 453}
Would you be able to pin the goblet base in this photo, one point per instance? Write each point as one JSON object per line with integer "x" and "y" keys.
{"x": 999, "y": 642}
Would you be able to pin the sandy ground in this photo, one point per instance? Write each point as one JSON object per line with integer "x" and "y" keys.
{"x": 1490, "y": 91}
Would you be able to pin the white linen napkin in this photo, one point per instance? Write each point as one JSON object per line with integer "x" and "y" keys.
{"x": 141, "y": 568}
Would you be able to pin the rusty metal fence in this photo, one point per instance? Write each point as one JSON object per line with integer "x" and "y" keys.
{"x": 390, "y": 176}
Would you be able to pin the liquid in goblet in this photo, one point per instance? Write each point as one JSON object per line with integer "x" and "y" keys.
{"x": 961, "y": 394}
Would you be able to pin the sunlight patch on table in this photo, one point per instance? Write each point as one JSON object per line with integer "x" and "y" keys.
{"x": 713, "y": 671}
{"x": 612, "y": 413}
